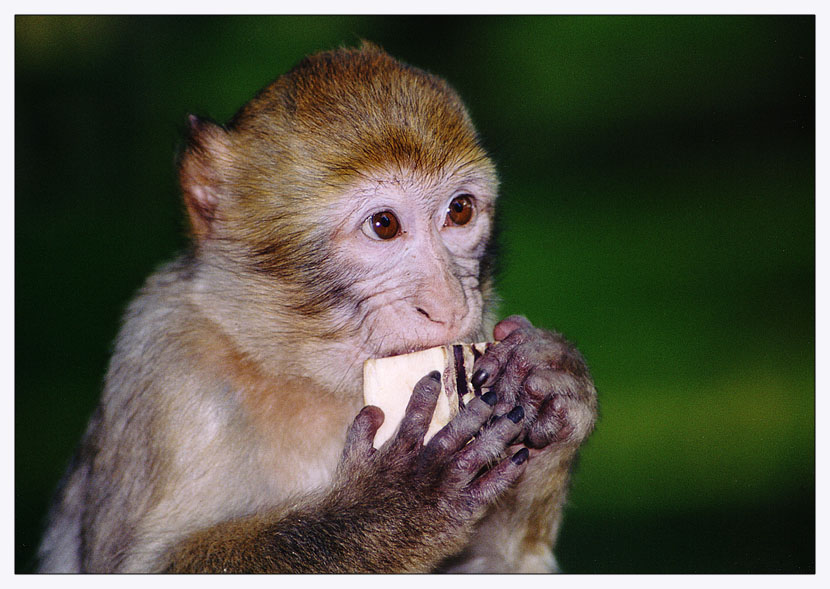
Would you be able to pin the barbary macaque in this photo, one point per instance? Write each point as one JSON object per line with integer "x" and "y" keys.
{"x": 343, "y": 214}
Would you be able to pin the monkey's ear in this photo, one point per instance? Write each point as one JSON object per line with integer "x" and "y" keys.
{"x": 201, "y": 173}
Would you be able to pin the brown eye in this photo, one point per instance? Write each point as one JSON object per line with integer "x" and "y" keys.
{"x": 460, "y": 210}
{"x": 383, "y": 225}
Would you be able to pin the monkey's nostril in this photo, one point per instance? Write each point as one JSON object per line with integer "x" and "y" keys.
{"x": 432, "y": 317}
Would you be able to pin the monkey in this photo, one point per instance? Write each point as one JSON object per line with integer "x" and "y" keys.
{"x": 344, "y": 213}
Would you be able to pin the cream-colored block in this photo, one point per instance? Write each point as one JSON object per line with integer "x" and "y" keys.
{"x": 388, "y": 383}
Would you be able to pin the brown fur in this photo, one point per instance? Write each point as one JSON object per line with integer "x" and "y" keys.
{"x": 219, "y": 441}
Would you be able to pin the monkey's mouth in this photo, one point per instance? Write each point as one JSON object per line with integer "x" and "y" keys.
{"x": 403, "y": 350}
{"x": 400, "y": 351}
{"x": 409, "y": 342}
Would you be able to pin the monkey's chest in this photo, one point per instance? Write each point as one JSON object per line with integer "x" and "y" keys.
{"x": 300, "y": 443}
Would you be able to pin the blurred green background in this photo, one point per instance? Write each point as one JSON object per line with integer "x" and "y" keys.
{"x": 657, "y": 207}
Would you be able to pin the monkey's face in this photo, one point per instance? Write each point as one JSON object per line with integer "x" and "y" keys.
{"x": 346, "y": 209}
{"x": 413, "y": 244}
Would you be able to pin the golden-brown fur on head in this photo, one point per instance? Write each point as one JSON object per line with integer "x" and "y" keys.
{"x": 348, "y": 111}
{"x": 267, "y": 194}
{"x": 335, "y": 117}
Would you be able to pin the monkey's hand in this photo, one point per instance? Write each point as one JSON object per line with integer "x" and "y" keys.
{"x": 401, "y": 508}
{"x": 421, "y": 502}
{"x": 544, "y": 374}
{"x": 547, "y": 376}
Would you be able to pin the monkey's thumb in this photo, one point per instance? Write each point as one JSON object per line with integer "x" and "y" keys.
{"x": 362, "y": 431}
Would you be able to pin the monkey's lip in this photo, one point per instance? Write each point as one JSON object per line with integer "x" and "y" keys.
{"x": 412, "y": 350}
{"x": 402, "y": 351}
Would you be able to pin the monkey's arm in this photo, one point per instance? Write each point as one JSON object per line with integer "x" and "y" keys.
{"x": 402, "y": 508}
{"x": 548, "y": 377}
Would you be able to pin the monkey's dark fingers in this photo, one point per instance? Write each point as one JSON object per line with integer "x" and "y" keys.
{"x": 544, "y": 395}
{"x": 487, "y": 447}
{"x": 362, "y": 432}
{"x": 489, "y": 486}
{"x": 489, "y": 367}
{"x": 561, "y": 420}
{"x": 531, "y": 390}
{"x": 419, "y": 411}
{"x": 551, "y": 425}
{"x": 455, "y": 435}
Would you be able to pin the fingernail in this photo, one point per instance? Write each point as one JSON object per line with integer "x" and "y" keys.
{"x": 480, "y": 377}
{"x": 516, "y": 414}
{"x": 490, "y": 398}
{"x": 435, "y": 375}
{"x": 520, "y": 456}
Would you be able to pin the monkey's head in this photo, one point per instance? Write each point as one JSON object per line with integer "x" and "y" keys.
{"x": 350, "y": 197}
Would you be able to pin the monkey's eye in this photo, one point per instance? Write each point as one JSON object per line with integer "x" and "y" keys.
{"x": 460, "y": 210}
{"x": 382, "y": 225}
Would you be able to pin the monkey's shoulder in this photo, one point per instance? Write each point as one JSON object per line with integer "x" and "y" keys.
{"x": 174, "y": 365}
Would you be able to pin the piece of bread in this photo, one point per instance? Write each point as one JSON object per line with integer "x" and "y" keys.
{"x": 388, "y": 383}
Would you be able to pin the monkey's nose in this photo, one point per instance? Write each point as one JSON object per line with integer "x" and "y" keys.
{"x": 447, "y": 318}
{"x": 427, "y": 315}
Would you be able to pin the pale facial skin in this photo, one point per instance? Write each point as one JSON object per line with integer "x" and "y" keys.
{"x": 414, "y": 248}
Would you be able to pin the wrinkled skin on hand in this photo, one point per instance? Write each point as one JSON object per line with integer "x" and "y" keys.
{"x": 446, "y": 468}
{"x": 427, "y": 496}
{"x": 547, "y": 376}
{"x": 485, "y": 493}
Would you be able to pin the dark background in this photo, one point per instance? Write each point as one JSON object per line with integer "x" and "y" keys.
{"x": 658, "y": 206}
